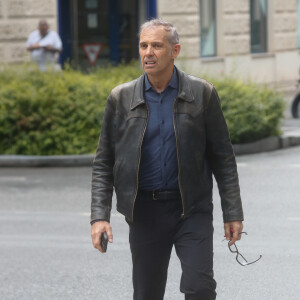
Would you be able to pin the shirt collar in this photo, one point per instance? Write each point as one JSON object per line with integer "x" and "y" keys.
{"x": 173, "y": 82}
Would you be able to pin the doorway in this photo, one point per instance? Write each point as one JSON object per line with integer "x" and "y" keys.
{"x": 111, "y": 23}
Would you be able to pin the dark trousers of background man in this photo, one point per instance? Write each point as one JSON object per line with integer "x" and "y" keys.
{"x": 156, "y": 228}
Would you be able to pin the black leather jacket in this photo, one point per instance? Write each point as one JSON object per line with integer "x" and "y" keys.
{"x": 203, "y": 146}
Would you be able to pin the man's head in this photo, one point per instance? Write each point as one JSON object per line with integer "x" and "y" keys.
{"x": 158, "y": 47}
{"x": 43, "y": 27}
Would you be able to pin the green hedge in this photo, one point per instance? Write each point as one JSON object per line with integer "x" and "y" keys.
{"x": 252, "y": 112}
{"x": 55, "y": 113}
{"x": 60, "y": 113}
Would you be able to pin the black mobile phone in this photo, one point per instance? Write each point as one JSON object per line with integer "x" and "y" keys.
{"x": 104, "y": 241}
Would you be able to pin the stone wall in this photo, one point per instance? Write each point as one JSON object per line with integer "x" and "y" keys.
{"x": 185, "y": 16}
{"x": 18, "y": 18}
{"x": 285, "y": 25}
{"x": 234, "y": 22}
{"x": 236, "y": 27}
{"x": 233, "y": 39}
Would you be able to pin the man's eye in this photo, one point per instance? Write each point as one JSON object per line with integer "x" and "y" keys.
{"x": 143, "y": 46}
{"x": 156, "y": 46}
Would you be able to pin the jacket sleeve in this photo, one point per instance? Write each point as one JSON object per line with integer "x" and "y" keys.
{"x": 102, "y": 176}
{"x": 222, "y": 159}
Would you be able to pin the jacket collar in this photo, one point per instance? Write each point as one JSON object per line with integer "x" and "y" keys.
{"x": 184, "y": 89}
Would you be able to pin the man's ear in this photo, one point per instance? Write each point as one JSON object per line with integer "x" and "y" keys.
{"x": 176, "y": 50}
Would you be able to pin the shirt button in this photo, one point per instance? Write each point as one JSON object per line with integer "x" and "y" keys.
{"x": 162, "y": 122}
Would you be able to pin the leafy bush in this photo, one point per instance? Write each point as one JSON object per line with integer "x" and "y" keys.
{"x": 61, "y": 113}
{"x": 55, "y": 113}
{"x": 252, "y": 112}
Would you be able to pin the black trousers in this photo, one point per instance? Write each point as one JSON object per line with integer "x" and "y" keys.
{"x": 156, "y": 228}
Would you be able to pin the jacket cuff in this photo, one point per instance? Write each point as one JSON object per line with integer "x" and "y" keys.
{"x": 97, "y": 220}
{"x": 100, "y": 214}
{"x": 231, "y": 218}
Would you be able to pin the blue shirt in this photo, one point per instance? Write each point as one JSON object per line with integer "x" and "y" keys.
{"x": 159, "y": 167}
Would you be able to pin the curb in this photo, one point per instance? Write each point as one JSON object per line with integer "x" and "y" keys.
{"x": 268, "y": 144}
{"x": 86, "y": 160}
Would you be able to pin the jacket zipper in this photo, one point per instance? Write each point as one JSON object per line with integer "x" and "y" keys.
{"x": 177, "y": 151}
{"x": 138, "y": 169}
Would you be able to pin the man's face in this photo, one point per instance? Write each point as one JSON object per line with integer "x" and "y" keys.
{"x": 156, "y": 52}
{"x": 43, "y": 28}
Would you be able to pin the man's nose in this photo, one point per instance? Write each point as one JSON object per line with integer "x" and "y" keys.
{"x": 149, "y": 50}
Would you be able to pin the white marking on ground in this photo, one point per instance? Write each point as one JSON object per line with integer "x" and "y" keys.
{"x": 242, "y": 164}
{"x": 293, "y": 218}
{"x": 14, "y": 179}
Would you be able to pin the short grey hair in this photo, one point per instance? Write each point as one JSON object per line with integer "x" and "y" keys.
{"x": 169, "y": 27}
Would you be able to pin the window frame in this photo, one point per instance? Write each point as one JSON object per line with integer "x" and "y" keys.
{"x": 263, "y": 45}
{"x": 298, "y": 24}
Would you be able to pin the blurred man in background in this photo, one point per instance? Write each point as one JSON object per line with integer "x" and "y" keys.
{"x": 43, "y": 45}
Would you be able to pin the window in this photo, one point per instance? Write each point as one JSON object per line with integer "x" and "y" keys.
{"x": 258, "y": 11}
{"x": 298, "y": 25}
{"x": 208, "y": 27}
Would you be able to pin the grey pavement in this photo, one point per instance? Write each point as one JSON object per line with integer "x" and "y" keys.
{"x": 46, "y": 251}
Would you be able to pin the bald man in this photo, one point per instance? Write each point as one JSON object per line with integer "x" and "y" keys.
{"x": 43, "y": 45}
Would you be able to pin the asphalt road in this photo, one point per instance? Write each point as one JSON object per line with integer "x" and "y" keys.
{"x": 46, "y": 250}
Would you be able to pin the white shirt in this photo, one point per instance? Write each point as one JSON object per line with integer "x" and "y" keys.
{"x": 41, "y": 56}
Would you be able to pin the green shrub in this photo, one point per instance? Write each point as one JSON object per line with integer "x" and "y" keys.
{"x": 252, "y": 112}
{"x": 60, "y": 113}
{"x": 55, "y": 113}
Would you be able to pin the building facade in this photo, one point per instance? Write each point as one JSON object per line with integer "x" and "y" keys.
{"x": 257, "y": 39}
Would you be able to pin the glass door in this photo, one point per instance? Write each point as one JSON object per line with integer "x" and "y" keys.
{"x": 111, "y": 23}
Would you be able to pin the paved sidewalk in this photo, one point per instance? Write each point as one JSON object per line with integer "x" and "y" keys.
{"x": 289, "y": 138}
{"x": 291, "y": 127}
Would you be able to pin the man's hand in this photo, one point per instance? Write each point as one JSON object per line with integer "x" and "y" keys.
{"x": 96, "y": 231}
{"x": 34, "y": 46}
{"x": 232, "y": 231}
{"x": 49, "y": 48}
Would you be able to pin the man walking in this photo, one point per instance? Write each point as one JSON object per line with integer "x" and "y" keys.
{"x": 163, "y": 135}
